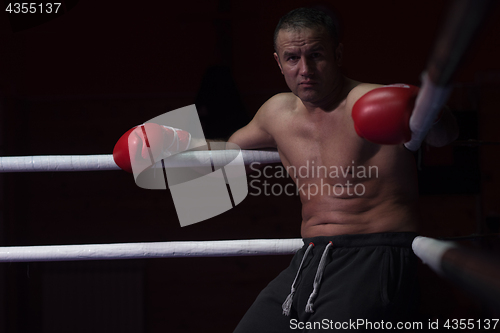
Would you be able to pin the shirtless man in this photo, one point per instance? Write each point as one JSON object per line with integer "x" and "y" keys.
{"x": 368, "y": 267}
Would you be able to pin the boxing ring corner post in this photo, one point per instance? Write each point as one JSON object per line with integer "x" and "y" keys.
{"x": 474, "y": 271}
{"x": 464, "y": 21}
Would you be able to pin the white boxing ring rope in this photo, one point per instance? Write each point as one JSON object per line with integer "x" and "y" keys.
{"x": 429, "y": 250}
{"x": 106, "y": 162}
{"x": 444, "y": 257}
{"x": 440, "y": 256}
{"x": 225, "y": 248}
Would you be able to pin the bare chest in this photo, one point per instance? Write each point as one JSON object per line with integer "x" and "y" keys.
{"x": 327, "y": 139}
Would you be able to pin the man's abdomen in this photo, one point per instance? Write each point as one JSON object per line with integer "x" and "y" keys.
{"x": 358, "y": 210}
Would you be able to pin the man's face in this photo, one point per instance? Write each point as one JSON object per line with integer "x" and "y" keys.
{"x": 309, "y": 62}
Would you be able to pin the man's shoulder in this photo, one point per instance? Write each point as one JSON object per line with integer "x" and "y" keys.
{"x": 279, "y": 102}
{"x": 359, "y": 90}
{"x": 283, "y": 100}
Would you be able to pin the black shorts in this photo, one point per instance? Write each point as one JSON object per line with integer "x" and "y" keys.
{"x": 370, "y": 277}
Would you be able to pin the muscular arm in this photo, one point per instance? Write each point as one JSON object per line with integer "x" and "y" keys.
{"x": 444, "y": 131}
{"x": 255, "y": 134}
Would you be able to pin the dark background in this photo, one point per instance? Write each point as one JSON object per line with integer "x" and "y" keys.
{"x": 75, "y": 84}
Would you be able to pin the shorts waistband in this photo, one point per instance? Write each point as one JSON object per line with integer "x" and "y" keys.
{"x": 400, "y": 239}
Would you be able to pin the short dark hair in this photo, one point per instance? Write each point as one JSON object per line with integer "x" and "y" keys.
{"x": 301, "y": 18}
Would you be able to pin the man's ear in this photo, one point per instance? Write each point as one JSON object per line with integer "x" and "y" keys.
{"x": 278, "y": 61}
{"x": 339, "y": 52}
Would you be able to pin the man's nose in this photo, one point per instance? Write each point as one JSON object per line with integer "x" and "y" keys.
{"x": 306, "y": 67}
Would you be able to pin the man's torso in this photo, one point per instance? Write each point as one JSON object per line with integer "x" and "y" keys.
{"x": 347, "y": 185}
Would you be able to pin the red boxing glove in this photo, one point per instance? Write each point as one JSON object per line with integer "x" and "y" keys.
{"x": 382, "y": 115}
{"x": 147, "y": 144}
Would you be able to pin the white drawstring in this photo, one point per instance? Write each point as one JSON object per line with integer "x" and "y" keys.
{"x": 287, "y": 305}
{"x": 317, "y": 279}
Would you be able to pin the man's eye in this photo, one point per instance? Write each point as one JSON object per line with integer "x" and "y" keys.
{"x": 315, "y": 55}
{"x": 292, "y": 58}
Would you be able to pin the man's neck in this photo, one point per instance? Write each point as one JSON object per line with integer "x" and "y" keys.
{"x": 338, "y": 94}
